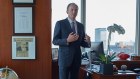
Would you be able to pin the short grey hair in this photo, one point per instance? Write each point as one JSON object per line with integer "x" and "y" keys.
{"x": 72, "y": 4}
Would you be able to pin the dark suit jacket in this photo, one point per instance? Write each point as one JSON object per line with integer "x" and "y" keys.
{"x": 67, "y": 52}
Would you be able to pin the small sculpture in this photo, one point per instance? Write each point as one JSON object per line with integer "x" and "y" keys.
{"x": 123, "y": 67}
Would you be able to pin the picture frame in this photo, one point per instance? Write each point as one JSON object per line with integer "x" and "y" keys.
{"x": 54, "y": 53}
{"x": 23, "y": 1}
{"x": 23, "y": 20}
{"x": 23, "y": 47}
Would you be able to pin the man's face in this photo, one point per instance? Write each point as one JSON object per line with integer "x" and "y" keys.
{"x": 72, "y": 11}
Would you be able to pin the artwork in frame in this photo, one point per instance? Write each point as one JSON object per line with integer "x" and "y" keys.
{"x": 23, "y": 1}
{"x": 23, "y": 20}
{"x": 23, "y": 47}
{"x": 54, "y": 53}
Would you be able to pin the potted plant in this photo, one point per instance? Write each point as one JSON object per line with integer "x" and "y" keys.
{"x": 106, "y": 66}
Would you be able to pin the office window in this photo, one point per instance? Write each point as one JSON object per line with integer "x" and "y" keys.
{"x": 59, "y": 12}
{"x": 102, "y": 13}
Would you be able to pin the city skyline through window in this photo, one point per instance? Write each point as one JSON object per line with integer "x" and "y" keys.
{"x": 103, "y": 13}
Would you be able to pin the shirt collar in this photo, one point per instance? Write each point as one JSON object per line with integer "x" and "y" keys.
{"x": 71, "y": 20}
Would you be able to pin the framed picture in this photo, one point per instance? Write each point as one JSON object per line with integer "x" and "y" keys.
{"x": 23, "y": 1}
{"x": 23, "y": 20}
{"x": 23, "y": 47}
{"x": 54, "y": 53}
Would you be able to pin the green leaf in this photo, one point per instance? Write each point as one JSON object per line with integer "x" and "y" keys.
{"x": 107, "y": 59}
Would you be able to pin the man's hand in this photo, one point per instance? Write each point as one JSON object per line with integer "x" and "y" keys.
{"x": 72, "y": 37}
{"x": 87, "y": 38}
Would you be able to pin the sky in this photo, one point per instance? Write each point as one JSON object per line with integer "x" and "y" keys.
{"x": 103, "y": 13}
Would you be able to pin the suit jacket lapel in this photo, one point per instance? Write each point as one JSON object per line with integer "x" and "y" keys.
{"x": 68, "y": 25}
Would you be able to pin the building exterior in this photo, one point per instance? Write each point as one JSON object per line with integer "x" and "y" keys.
{"x": 101, "y": 35}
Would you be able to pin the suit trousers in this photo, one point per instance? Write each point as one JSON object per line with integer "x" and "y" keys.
{"x": 70, "y": 72}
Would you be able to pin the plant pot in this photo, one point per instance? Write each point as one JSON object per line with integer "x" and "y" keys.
{"x": 106, "y": 69}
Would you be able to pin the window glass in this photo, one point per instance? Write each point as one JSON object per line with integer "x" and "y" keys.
{"x": 103, "y": 13}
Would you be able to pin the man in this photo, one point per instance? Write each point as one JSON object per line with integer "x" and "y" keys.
{"x": 70, "y": 35}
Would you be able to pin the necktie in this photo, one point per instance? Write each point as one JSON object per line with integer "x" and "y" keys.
{"x": 73, "y": 27}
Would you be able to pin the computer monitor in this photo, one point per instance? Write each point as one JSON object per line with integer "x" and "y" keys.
{"x": 96, "y": 49}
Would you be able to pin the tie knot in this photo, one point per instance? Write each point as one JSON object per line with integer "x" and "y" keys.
{"x": 72, "y": 22}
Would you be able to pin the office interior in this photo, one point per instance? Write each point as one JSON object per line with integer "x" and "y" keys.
{"x": 41, "y": 66}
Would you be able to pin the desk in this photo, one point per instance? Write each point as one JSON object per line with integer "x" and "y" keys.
{"x": 131, "y": 64}
{"x": 115, "y": 76}
{"x": 95, "y": 75}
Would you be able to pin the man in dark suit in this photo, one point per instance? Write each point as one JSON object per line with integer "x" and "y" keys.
{"x": 70, "y": 36}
